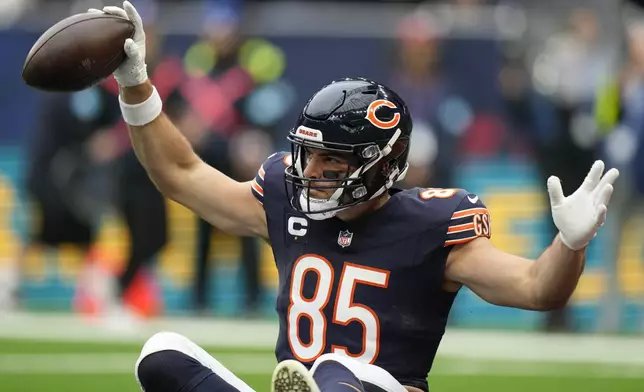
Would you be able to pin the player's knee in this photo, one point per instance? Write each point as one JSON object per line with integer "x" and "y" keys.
{"x": 161, "y": 341}
{"x": 150, "y": 371}
{"x": 155, "y": 355}
{"x": 169, "y": 371}
{"x": 168, "y": 363}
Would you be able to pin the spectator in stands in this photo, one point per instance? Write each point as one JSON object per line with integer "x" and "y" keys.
{"x": 417, "y": 76}
{"x": 620, "y": 114}
{"x": 136, "y": 198}
{"x": 565, "y": 136}
{"x": 65, "y": 178}
{"x": 237, "y": 92}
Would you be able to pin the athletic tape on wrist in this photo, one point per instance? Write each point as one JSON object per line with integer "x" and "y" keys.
{"x": 142, "y": 113}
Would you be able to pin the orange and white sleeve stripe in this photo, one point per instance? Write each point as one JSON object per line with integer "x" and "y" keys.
{"x": 468, "y": 224}
{"x": 257, "y": 186}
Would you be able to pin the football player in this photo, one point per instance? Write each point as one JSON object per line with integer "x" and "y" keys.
{"x": 367, "y": 272}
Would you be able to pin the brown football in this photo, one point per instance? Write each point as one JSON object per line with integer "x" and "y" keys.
{"x": 77, "y": 52}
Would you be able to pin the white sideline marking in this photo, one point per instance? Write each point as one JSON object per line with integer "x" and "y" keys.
{"x": 263, "y": 364}
{"x": 464, "y": 344}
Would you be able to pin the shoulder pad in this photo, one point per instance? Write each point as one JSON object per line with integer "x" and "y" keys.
{"x": 469, "y": 219}
{"x": 270, "y": 176}
{"x": 461, "y": 216}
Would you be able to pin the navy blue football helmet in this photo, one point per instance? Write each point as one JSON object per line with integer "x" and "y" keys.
{"x": 352, "y": 116}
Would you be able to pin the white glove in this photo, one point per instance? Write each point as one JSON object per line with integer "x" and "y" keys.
{"x": 133, "y": 71}
{"x": 579, "y": 216}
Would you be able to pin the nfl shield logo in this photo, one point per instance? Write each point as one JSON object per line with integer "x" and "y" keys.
{"x": 344, "y": 239}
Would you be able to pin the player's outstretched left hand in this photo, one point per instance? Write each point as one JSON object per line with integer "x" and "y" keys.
{"x": 579, "y": 216}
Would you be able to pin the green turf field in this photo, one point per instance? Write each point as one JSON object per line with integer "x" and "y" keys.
{"x": 28, "y": 365}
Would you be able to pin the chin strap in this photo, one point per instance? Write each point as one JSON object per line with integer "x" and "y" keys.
{"x": 309, "y": 205}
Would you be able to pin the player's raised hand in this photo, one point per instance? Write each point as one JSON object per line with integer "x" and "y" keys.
{"x": 134, "y": 70}
{"x": 579, "y": 216}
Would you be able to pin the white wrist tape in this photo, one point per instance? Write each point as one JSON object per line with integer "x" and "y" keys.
{"x": 142, "y": 113}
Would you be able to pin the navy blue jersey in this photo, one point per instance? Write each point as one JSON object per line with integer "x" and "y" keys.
{"x": 371, "y": 288}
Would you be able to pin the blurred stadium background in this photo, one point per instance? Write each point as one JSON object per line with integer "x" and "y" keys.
{"x": 503, "y": 94}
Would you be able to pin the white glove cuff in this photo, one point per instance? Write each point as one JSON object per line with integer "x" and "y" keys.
{"x": 142, "y": 113}
{"x": 574, "y": 247}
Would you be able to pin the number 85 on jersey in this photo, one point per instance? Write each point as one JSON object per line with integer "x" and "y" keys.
{"x": 345, "y": 310}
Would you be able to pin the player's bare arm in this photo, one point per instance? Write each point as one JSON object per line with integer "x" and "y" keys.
{"x": 508, "y": 280}
{"x": 548, "y": 282}
{"x": 167, "y": 155}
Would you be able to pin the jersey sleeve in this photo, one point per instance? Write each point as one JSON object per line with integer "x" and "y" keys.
{"x": 469, "y": 220}
{"x": 270, "y": 176}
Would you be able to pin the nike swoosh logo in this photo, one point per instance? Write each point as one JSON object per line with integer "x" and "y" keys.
{"x": 473, "y": 200}
{"x": 350, "y": 386}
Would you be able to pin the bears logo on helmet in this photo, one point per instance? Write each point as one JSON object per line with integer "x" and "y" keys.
{"x": 373, "y": 118}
